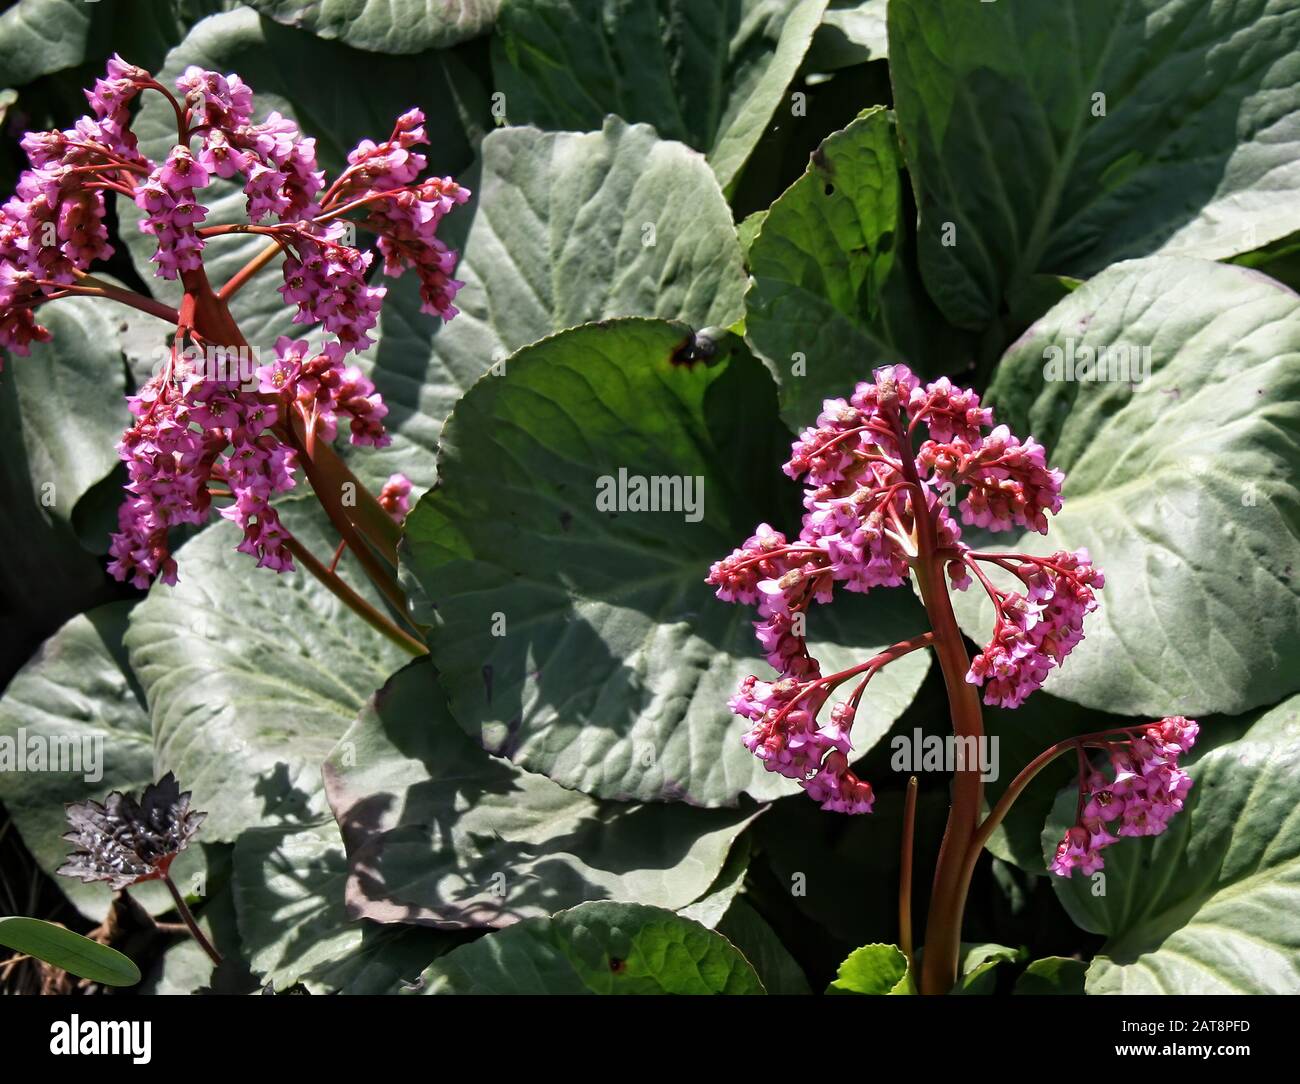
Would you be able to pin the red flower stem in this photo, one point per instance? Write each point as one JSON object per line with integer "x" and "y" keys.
{"x": 329, "y": 476}
{"x": 948, "y": 897}
{"x": 358, "y": 605}
{"x": 89, "y": 286}
{"x": 330, "y": 497}
{"x": 339, "y": 550}
{"x": 181, "y": 114}
{"x": 325, "y": 471}
{"x": 240, "y": 277}
{"x": 905, "y": 875}
{"x": 870, "y": 667}
{"x": 184, "y": 911}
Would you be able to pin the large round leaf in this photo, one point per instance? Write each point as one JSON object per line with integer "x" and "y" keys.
{"x": 34, "y": 601}
{"x": 580, "y": 641}
{"x": 252, "y": 676}
{"x": 1183, "y": 485}
{"x": 1212, "y": 906}
{"x": 61, "y": 414}
{"x": 288, "y": 891}
{"x": 710, "y": 75}
{"x": 42, "y": 36}
{"x": 851, "y": 32}
{"x": 563, "y": 228}
{"x": 1061, "y": 137}
{"x": 598, "y": 948}
{"x": 386, "y": 26}
{"x": 833, "y": 295}
{"x": 78, "y": 375}
{"x": 439, "y": 832}
{"x": 77, "y": 705}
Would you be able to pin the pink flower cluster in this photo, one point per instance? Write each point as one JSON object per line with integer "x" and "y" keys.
{"x": 193, "y": 428}
{"x": 53, "y": 227}
{"x": 1035, "y": 629}
{"x": 172, "y": 212}
{"x": 323, "y": 389}
{"x": 874, "y": 504}
{"x": 1146, "y": 788}
{"x": 190, "y": 431}
{"x": 406, "y": 214}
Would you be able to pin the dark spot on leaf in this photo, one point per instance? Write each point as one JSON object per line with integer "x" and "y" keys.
{"x": 829, "y": 189}
{"x": 694, "y": 349}
{"x": 616, "y": 965}
{"x": 818, "y": 159}
{"x": 566, "y": 518}
{"x": 487, "y": 680}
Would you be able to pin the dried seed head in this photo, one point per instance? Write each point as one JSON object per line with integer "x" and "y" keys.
{"x": 123, "y": 841}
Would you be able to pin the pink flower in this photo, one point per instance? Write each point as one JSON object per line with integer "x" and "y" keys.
{"x": 395, "y": 497}
{"x": 870, "y": 499}
{"x": 1146, "y": 789}
{"x": 1034, "y": 632}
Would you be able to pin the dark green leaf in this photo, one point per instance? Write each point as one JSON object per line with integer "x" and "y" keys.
{"x": 616, "y": 662}
{"x": 598, "y": 948}
{"x": 61, "y": 947}
{"x": 709, "y": 75}
{"x": 439, "y": 832}
{"x": 1061, "y": 137}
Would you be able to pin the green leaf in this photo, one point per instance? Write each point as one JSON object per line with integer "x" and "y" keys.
{"x": 1052, "y": 975}
{"x": 978, "y": 964}
{"x": 832, "y": 296}
{"x": 288, "y": 890}
{"x": 1192, "y": 151}
{"x": 597, "y": 948}
{"x": 252, "y": 676}
{"x": 745, "y": 928}
{"x": 710, "y": 908}
{"x": 1183, "y": 486}
{"x": 386, "y": 26}
{"x": 293, "y": 922}
{"x": 616, "y": 662}
{"x": 48, "y": 465}
{"x": 61, "y": 947}
{"x": 873, "y": 969}
{"x": 563, "y": 228}
{"x": 851, "y": 32}
{"x": 1213, "y": 904}
{"x": 77, "y": 705}
{"x": 79, "y": 374}
{"x": 439, "y": 832}
{"x": 42, "y": 36}
{"x": 709, "y": 75}
{"x": 1279, "y": 260}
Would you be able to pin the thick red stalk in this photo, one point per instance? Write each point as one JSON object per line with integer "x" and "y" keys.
{"x": 948, "y": 896}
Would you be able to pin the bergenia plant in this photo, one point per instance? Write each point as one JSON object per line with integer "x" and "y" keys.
{"x": 204, "y": 436}
{"x": 881, "y": 471}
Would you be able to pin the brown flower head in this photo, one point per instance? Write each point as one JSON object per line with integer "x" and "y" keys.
{"x": 124, "y": 841}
